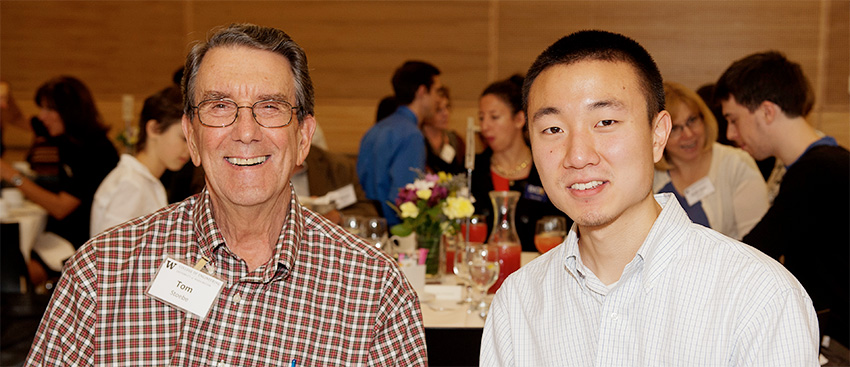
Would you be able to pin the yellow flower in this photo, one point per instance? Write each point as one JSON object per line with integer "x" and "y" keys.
{"x": 423, "y": 194}
{"x": 444, "y": 177}
{"x": 458, "y": 208}
{"x": 409, "y": 210}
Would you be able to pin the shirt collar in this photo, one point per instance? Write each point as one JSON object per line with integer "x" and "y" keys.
{"x": 286, "y": 248}
{"x": 668, "y": 232}
{"x": 408, "y": 114}
{"x": 826, "y": 140}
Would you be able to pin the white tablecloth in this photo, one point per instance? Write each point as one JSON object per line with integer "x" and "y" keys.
{"x": 32, "y": 220}
{"x": 445, "y": 312}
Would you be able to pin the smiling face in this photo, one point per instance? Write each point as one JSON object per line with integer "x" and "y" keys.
{"x": 746, "y": 128}
{"x": 247, "y": 164}
{"x": 687, "y": 136}
{"x": 500, "y": 127}
{"x": 51, "y": 119}
{"x": 592, "y": 143}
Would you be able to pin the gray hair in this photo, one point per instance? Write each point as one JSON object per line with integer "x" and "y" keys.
{"x": 261, "y": 38}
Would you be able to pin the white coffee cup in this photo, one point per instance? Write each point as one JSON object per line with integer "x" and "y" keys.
{"x": 12, "y": 197}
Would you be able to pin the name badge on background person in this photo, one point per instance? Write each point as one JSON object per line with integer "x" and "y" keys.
{"x": 698, "y": 191}
{"x": 184, "y": 287}
{"x": 448, "y": 153}
{"x": 535, "y": 193}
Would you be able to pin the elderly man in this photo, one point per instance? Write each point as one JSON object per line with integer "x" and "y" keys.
{"x": 240, "y": 274}
{"x": 636, "y": 283}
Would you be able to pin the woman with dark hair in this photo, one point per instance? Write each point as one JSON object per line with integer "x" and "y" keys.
{"x": 133, "y": 188}
{"x": 506, "y": 164}
{"x": 71, "y": 123}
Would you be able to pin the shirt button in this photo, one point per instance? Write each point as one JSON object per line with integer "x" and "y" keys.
{"x": 237, "y": 299}
{"x": 614, "y": 316}
{"x": 222, "y": 364}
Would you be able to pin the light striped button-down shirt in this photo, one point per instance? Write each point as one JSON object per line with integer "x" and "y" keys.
{"x": 690, "y": 297}
{"x": 325, "y": 298}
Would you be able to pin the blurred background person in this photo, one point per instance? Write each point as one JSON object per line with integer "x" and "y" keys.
{"x": 719, "y": 186}
{"x": 393, "y": 150}
{"x": 444, "y": 148}
{"x": 506, "y": 163}
{"x": 70, "y": 156}
{"x": 10, "y": 114}
{"x": 133, "y": 188}
{"x": 74, "y": 126}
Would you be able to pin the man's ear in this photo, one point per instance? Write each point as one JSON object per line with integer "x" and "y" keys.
{"x": 660, "y": 132}
{"x": 189, "y": 133}
{"x": 306, "y": 128}
{"x": 519, "y": 119}
{"x": 421, "y": 91}
{"x": 769, "y": 111}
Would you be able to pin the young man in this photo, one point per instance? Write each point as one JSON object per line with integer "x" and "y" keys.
{"x": 765, "y": 98}
{"x": 394, "y": 147}
{"x": 240, "y": 274}
{"x": 636, "y": 282}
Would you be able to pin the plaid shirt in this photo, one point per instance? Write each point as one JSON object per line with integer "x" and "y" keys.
{"x": 325, "y": 298}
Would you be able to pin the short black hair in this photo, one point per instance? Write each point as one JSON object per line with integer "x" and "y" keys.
{"x": 409, "y": 76}
{"x": 603, "y": 46}
{"x": 767, "y": 76}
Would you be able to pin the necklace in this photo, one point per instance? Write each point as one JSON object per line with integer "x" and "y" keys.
{"x": 511, "y": 173}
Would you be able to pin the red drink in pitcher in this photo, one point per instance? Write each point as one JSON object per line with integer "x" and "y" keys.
{"x": 509, "y": 262}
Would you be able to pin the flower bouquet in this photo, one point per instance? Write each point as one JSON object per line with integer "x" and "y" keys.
{"x": 429, "y": 207}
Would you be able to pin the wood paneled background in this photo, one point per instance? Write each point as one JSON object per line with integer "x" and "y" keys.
{"x": 133, "y": 47}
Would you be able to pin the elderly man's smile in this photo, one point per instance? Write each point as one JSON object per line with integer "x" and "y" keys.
{"x": 244, "y": 162}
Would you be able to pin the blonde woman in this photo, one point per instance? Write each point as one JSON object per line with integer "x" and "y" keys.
{"x": 719, "y": 186}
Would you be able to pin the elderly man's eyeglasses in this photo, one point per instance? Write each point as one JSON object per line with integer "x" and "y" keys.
{"x": 223, "y": 112}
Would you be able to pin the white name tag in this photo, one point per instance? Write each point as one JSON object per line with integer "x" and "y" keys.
{"x": 343, "y": 196}
{"x": 184, "y": 287}
{"x": 448, "y": 153}
{"x": 699, "y": 190}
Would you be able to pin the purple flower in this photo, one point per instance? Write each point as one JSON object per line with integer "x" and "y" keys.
{"x": 405, "y": 195}
{"x": 437, "y": 193}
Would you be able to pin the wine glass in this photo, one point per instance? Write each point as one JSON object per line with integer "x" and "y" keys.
{"x": 550, "y": 232}
{"x": 461, "y": 270}
{"x": 352, "y": 224}
{"x": 374, "y": 231}
{"x": 482, "y": 262}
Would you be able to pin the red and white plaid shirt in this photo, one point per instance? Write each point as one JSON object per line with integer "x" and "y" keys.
{"x": 324, "y": 299}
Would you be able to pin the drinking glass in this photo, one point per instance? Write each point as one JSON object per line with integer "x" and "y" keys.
{"x": 482, "y": 262}
{"x": 461, "y": 270}
{"x": 374, "y": 231}
{"x": 352, "y": 224}
{"x": 550, "y": 232}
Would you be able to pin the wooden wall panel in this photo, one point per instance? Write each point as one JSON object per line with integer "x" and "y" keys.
{"x": 133, "y": 47}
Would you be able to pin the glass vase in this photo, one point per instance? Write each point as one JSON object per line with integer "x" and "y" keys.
{"x": 504, "y": 234}
{"x": 431, "y": 241}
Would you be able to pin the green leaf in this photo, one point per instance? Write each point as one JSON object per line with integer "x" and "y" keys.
{"x": 401, "y": 230}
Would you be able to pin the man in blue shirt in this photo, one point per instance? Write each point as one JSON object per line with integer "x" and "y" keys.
{"x": 765, "y": 98}
{"x": 393, "y": 149}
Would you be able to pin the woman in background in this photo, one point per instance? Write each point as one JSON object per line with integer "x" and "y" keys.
{"x": 719, "y": 186}
{"x": 72, "y": 124}
{"x": 506, "y": 164}
{"x": 444, "y": 149}
{"x": 133, "y": 188}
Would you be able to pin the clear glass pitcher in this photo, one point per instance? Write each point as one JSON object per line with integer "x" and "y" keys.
{"x": 504, "y": 233}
